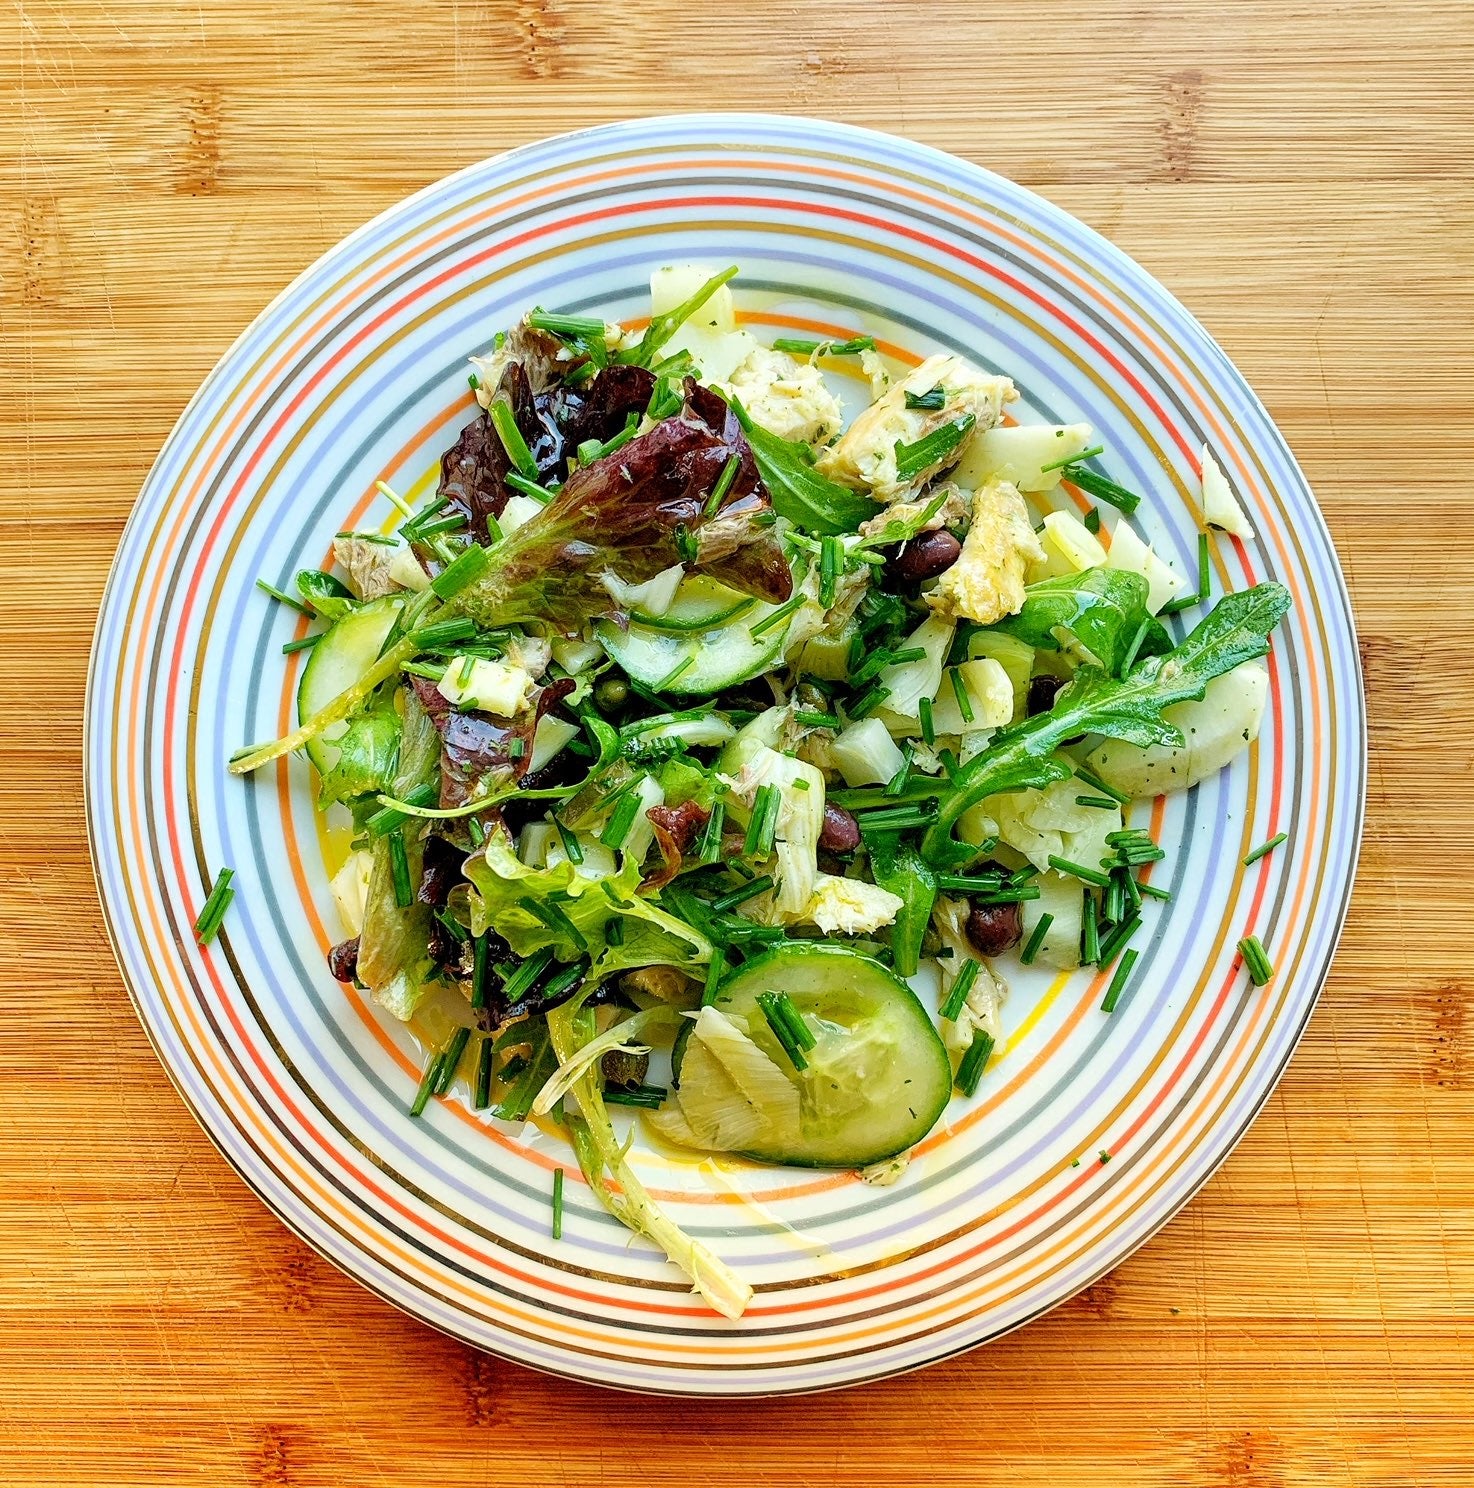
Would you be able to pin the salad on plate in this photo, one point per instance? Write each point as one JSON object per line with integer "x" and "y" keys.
{"x": 731, "y": 722}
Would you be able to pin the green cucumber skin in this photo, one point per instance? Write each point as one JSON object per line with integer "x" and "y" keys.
{"x": 783, "y": 969}
{"x": 347, "y": 650}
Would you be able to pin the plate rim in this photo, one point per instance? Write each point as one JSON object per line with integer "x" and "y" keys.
{"x": 1117, "y": 261}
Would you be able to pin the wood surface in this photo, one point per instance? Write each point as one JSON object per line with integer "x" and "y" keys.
{"x": 1300, "y": 174}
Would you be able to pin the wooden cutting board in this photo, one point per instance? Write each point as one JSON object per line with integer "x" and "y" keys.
{"x": 1300, "y": 174}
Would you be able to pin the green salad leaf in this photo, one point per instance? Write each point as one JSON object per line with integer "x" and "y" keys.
{"x": 368, "y": 757}
{"x": 808, "y": 499}
{"x": 531, "y": 908}
{"x": 1103, "y": 608}
{"x": 1129, "y": 708}
{"x": 901, "y": 871}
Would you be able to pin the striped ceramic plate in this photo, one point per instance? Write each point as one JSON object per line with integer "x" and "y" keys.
{"x": 1088, "y": 1133}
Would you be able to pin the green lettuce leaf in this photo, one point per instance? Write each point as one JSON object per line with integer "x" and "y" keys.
{"x": 531, "y": 908}
{"x": 368, "y": 757}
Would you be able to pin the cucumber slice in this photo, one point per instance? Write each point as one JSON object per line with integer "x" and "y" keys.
{"x": 719, "y": 650}
{"x": 878, "y": 1076}
{"x": 336, "y": 662}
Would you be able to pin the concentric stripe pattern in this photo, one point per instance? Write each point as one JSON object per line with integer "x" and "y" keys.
{"x": 355, "y": 374}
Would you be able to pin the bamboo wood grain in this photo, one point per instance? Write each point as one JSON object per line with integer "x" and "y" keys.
{"x": 1300, "y": 174}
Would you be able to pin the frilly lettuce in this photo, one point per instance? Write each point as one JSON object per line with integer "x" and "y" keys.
{"x": 557, "y": 906}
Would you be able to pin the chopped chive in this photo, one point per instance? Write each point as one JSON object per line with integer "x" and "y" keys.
{"x": 1130, "y": 886}
{"x": 480, "y": 970}
{"x": 711, "y": 834}
{"x": 1091, "y": 520}
{"x": 898, "y": 818}
{"x": 1129, "y": 660}
{"x": 450, "y": 1060}
{"x": 870, "y": 702}
{"x": 966, "y": 976}
{"x": 931, "y": 449}
{"x": 286, "y": 599}
{"x": 1096, "y": 783}
{"x": 928, "y": 729}
{"x": 504, "y": 421}
{"x": 1113, "y": 903}
{"x": 1089, "y": 932}
{"x": 572, "y": 849}
{"x": 557, "y": 1203}
{"x": 1103, "y": 1156}
{"x": 212, "y": 914}
{"x": 1118, "y": 938}
{"x": 461, "y": 572}
{"x": 447, "y": 632}
{"x": 959, "y": 691}
{"x": 404, "y": 892}
{"x": 428, "y": 1083}
{"x": 676, "y": 672}
{"x": 481, "y": 1096}
{"x": 645, "y": 1097}
{"x": 931, "y": 400}
{"x": 970, "y": 1070}
{"x": 740, "y": 895}
{"x": 526, "y": 975}
{"x": 715, "y": 970}
{"x": 777, "y": 617}
{"x": 472, "y": 381}
{"x": 1102, "y": 489}
{"x": 1031, "y": 949}
{"x": 816, "y": 720}
{"x": 305, "y": 644}
{"x": 1078, "y": 870}
{"x": 797, "y": 346}
{"x": 970, "y": 883}
{"x": 386, "y": 818}
{"x": 1265, "y": 848}
{"x": 1118, "y": 982}
{"x": 527, "y": 487}
{"x": 723, "y": 485}
{"x": 1256, "y": 960}
{"x": 762, "y": 826}
{"x": 621, "y": 819}
{"x": 789, "y": 1028}
{"x": 1152, "y": 891}
{"x": 553, "y": 916}
{"x": 897, "y": 784}
{"x": 831, "y": 560}
{"x": 566, "y": 327}
{"x": 370, "y": 537}
{"x": 1086, "y": 454}
{"x": 1100, "y": 803}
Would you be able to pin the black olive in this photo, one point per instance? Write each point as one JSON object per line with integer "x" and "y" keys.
{"x": 343, "y": 960}
{"x": 927, "y": 555}
{"x": 994, "y": 928}
{"x": 841, "y": 832}
{"x": 1043, "y": 690}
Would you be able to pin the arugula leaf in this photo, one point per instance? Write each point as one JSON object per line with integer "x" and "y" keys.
{"x": 808, "y": 499}
{"x": 328, "y": 596}
{"x": 1129, "y": 708}
{"x": 663, "y": 327}
{"x": 901, "y": 871}
{"x": 1103, "y": 608}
